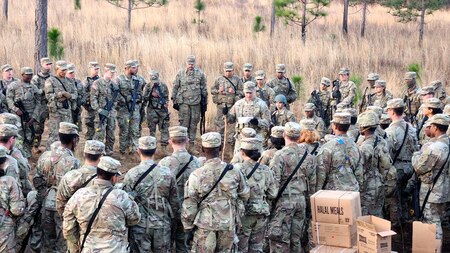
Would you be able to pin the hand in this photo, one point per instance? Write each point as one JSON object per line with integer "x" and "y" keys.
{"x": 254, "y": 121}
{"x": 231, "y": 90}
{"x": 221, "y": 89}
{"x": 176, "y": 107}
{"x": 225, "y": 110}
{"x": 31, "y": 121}
{"x": 19, "y": 112}
{"x": 66, "y": 95}
{"x": 155, "y": 94}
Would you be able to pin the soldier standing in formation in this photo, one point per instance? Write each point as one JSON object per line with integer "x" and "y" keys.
{"x": 7, "y": 77}
{"x": 381, "y": 95}
{"x": 281, "y": 115}
{"x": 282, "y": 85}
{"x": 411, "y": 97}
{"x": 90, "y": 113}
{"x": 369, "y": 92}
{"x": 310, "y": 113}
{"x": 347, "y": 88}
{"x": 80, "y": 95}
{"x": 247, "y": 75}
{"x": 263, "y": 91}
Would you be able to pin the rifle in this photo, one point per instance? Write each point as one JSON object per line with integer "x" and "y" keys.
{"x": 108, "y": 106}
{"x": 410, "y": 116}
{"x": 24, "y": 119}
{"x": 134, "y": 96}
{"x": 318, "y": 103}
{"x": 363, "y": 101}
{"x": 203, "y": 109}
{"x": 336, "y": 93}
{"x": 273, "y": 118}
{"x": 415, "y": 212}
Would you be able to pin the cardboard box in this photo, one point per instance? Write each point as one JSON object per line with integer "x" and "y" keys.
{"x": 334, "y": 234}
{"x": 336, "y": 207}
{"x": 330, "y": 249}
{"x": 424, "y": 238}
{"x": 374, "y": 235}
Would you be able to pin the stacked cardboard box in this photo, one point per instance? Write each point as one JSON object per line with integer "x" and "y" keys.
{"x": 374, "y": 235}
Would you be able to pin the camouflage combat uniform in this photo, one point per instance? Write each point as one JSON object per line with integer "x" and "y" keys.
{"x": 381, "y": 99}
{"x": 39, "y": 81}
{"x": 78, "y": 102}
{"x": 284, "y": 87}
{"x": 412, "y": 97}
{"x": 266, "y": 94}
{"x": 281, "y": 117}
{"x": 24, "y": 170}
{"x": 320, "y": 125}
{"x": 90, "y": 114}
{"x": 348, "y": 92}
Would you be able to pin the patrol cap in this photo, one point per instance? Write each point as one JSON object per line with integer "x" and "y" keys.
{"x": 110, "y": 67}
{"x": 154, "y": 74}
{"x": 26, "y": 71}
{"x": 94, "y": 147}
{"x": 440, "y": 119}
{"x": 281, "y": 98}
{"x": 62, "y": 65}
{"x": 344, "y": 71}
{"x": 380, "y": 83}
{"x": 432, "y": 103}
{"x": 178, "y": 131}
{"x": 10, "y": 118}
{"x": 190, "y": 59}
{"x": 341, "y": 118}
{"x": 259, "y": 75}
{"x": 45, "y": 61}
{"x": 309, "y": 107}
{"x": 308, "y": 124}
{"x": 251, "y": 144}
{"x": 351, "y": 111}
{"x": 410, "y": 75}
{"x": 340, "y": 107}
{"x": 137, "y": 63}
{"x": 70, "y": 68}
{"x": 248, "y": 66}
{"x": 325, "y": 81}
{"x": 109, "y": 164}
{"x": 249, "y": 86}
{"x": 228, "y": 66}
{"x": 68, "y": 128}
{"x": 368, "y": 119}
{"x": 94, "y": 65}
{"x": 395, "y": 103}
{"x": 3, "y": 152}
{"x": 6, "y": 67}
{"x": 447, "y": 109}
{"x": 248, "y": 132}
{"x": 130, "y": 64}
{"x": 211, "y": 140}
{"x": 373, "y": 77}
{"x": 280, "y": 68}
{"x": 277, "y": 131}
{"x": 436, "y": 84}
{"x": 292, "y": 129}
{"x": 385, "y": 119}
{"x": 426, "y": 90}
{"x": 7, "y": 130}
{"x": 376, "y": 109}
{"x": 147, "y": 142}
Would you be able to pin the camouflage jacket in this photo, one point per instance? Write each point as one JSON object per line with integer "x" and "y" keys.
{"x": 156, "y": 94}
{"x": 339, "y": 165}
{"x": 267, "y": 95}
{"x": 267, "y": 155}
{"x": 28, "y": 93}
{"x": 87, "y": 84}
{"x": 39, "y": 81}
{"x": 251, "y": 79}
{"x": 353, "y": 133}
{"x": 396, "y": 133}
{"x": 189, "y": 87}
{"x": 283, "y": 87}
{"x": 81, "y": 93}
{"x": 156, "y": 195}
{"x": 219, "y": 210}
{"x": 320, "y": 125}
{"x": 224, "y": 93}
{"x": 109, "y": 231}
{"x": 12, "y": 169}
{"x": 12, "y": 204}
{"x": 24, "y": 170}
{"x": 101, "y": 92}
{"x": 281, "y": 117}
{"x": 412, "y": 98}
{"x": 57, "y": 103}
{"x": 250, "y": 109}
{"x": 127, "y": 87}
{"x": 4, "y": 85}
{"x": 381, "y": 99}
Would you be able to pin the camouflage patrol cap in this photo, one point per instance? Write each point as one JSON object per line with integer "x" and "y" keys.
{"x": 259, "y": 75}
{"x": 342, "y": 118}
{"x": 410, "y": 75}
{"x": 395, "y": 103}
{"x": 62, "y": 65}
{"x": 447, "y": 109}
{"x": 211, "y": 140}
{"x": 426, "y": 90}
{"x": 248, "y": 66}
{"x": 368, "y": 119}
{"x": 251, "y": 144}
{"x": 130, "y": 64}
{"x": 373, "y": 77}
{"x": 228, "y": 66}
{"x": 7, "y": 130}
{"x": 309, "y": 107}
{"x": 6, "y": 67}
{"x": 376, "y": 109}
{"x": 10, "y": 118}
{"x": 351, "y": 111}
{"x": 432, "y": 103}
{"x": 280, "y": 68}
{"x": 137, "y": 63}
{"x": 109, "y": 164}
{"x": 281, "y": 98}
{"x": 190, "y": 59}
{"x": 3, "y": 152}
{"x": 380, "y": 83}
{"x": 440, "y": 119}
{"x": 147, "y": 142}
{"x": 178, "y": 131}
{"x": 308, "y": 124}
{"x": 45, "y": 61}
{"x": 344, "y": 71}
{"x": 94, "y": 147}
{"x": 249, "y": 86}
{"x": 325, "y": 81}
{"x": 154, "y": 74}
{"x": 340, "y": 107}
{"x": 436, "y": 84}
{"x": 110, "y": 67}
{"x": 292, "y": 129}
{"x": 277, "y": 131}
{"x": 26, "y": 71}
{"x": 68, "y": 128}
{"x": 248, "y": 132}
{"x": 70, "y": 68}
{"x": 94, "y": 65}
{"x": 385, "y": 119}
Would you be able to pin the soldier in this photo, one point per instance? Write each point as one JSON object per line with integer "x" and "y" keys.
{"x": 288, "y": 209}
{"x": 247, "y": 76}
{"x": 12, "y": 205}
{"x": 155, "y": 191}
{"x": 89, "y": 117}
{"x": 385, "y": 121}
{"x": 74, "y": 180}
{"x": 281, "y": 115}
{"x": 282, "y": 85}
{"x": 347, "y": 88}
{"x": 81, "y": 96}
{"x": 108, "y": 228}
{"x": 128, "y": 108}
{"x": 411, "y": 97}
{"x": 8, "y": 136}
{"x": 431, "y": 166}
{"x": 353, "y": 131}
{"x": 381, "y": 95}
{"x": 322, "y": 100}
{"x": 430, "y": 107}
{"x": 190, "y": 98}
{"x": 211, "y": 196}
{"x": 439, "y": 89}
{"x": 51, "y": 171}
{"x": 263, "y": 189}
{"x": 246, "y": 132}
{"x": 156, "y": 94}
{"x": 24, "y": 99}
{"x": 104, "y": 94}
{"x": 339, "y": 160}
{"x": 367, "y": 99}
{"x": 181, "y": 164}
{"x": 263, "y": 91}
{"x": 60, "y": 97}
{"x": 143, "y": 83}
{"x": 39, "y": 81}
{"x": 13, "y": 119}
{"x": 310, "y": 113}
{"x": 309, "y": 135}
{"x": 7, "y": 77}
{"x": 276, "y": 143}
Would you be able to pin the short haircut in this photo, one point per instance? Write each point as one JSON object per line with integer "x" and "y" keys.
{"x": 399, "y": 111}
{"x": 277, "y": 143}
{"x": 5, "y": 139}
{"x": 214, "y": 152}
{"x": 384, "y": 126}
{"x": 435, "y": 110}
{"x": 178, "y": 140}
{"x": 67, "y": 138}
{"x": 92, "y": 157}
{"x": 442, "y": 128}
{"x": 147, "y": 152}
{"x": 342, "y": 127}
{"x": 104, "y": 174}
{"x": 253, "y": 154}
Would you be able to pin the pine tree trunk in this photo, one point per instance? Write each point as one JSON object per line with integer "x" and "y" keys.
{"x": 40, "y": 35}
{"x": 5, "y": 9}
{"x": 305, "y": 3}
{"x": 422, "y": 23}
{"x": 345, "y": 18}
{"x": 130, "y": 6}
{"x": 272, "y": 20}
{"x": 364, "y": 16}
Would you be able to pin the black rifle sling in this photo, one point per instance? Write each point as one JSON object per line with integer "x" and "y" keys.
{"x": 232, "y": 84}
{"x": 403, "y": 142}
{"x": 64, "y": 87}
{"x": 150, "y": 169}
{"x": 88, "y": 181}
{"x": 225, "y": 170}
{"x": 253, "y": 171}
{"x": 184, "y": 167}
{"x": 94, "y": 215}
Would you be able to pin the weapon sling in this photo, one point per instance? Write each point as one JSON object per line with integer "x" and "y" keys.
{"x": 144, "y": 175}
{"x": 225, "y": 170}
{"x": 184, "y": 167}
{"x": 232, "y": 84}
{"x": 253, "y": 171}
{"x": 403, "y": 142}
{"x": 88, "y": 181}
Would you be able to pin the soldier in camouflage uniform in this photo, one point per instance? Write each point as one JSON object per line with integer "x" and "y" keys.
{"x": 282, "y": 85}
{"x": 281, "y": 115}
{"x": 181, "y": 164}
{"x": 128, "y": 108}
{"x": 247, "y": 75}
{"x": 143, "y": 83}
{"x": 324, "y": 97}
{"x": 246, "y": 132}
{"x": 309, "y": 135}
{"x": 39, "y": 81}
{"x": 339, "y": 163}
{"x": 89, "y": 116}
{"x": 429, "y": 108}
{"x": 276, "y": 143}
{"x": 212, "y": 209}
{"x": 105, "y": 90}
{"x": 156, "y": 94}
{"x": 346, "y": 87}
{"x": 263, "y": 91}
{"x": 288, "y": 213}
{"x": 13, "y": 119}
{"x": 353, "y": 131}
{"x": 7, "y": 78}
{"x": 381, "y": 95}
{"x": 12, "y": 205}
{"x": 412, "y": 97}
{"x": 51, "y": 171}
{"x": 60, "y": 97}
{"x": 157, "y": 197}
{"x": 369, "y": 92}
{"x": 263, "y": 189}
{"x": 81, "y": 96}
{"x": 433, "y": 157}
{"x": 8, "y": 135}
{"x": 74, "y": 180}
{"x": 110, "y": 229}
{"x": 309, "y": 110}
{"x": 28, "y": 96}
{"x": 440, "y": 92}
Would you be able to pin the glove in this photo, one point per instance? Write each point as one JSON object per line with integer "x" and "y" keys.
{"x": 225, "y": 110}
{"x": 66, "y": 95}
{"x": 254, "y": 121}
{"x": 176, "y": 107}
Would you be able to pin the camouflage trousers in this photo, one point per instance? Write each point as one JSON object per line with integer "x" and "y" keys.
{"x": 77, "y": 116}
{"x": 252, "y": 234}
{"x": 53, "y": 125}
{"x": 180, "y": 237}
{"x": 210, "y": 241}
{"x": 89, "y": 121}
{"x": 286, "y": 224}
{"x": 152, "y": 239}
{"x": 219, "y": 124}
{"x": 7, "y": 236}
{"x": 189, "y": 116}
{"x": 40, "y": 124}
{"x": 372, "y": 201}
{"x": 107, "y": 130}
{"x": 159, "y": 118}
{"x": 128, "y": 129}
{"x": 52, "y": 240}
{"x": 27, "y": 145}
{"x": 434, "y": 213}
